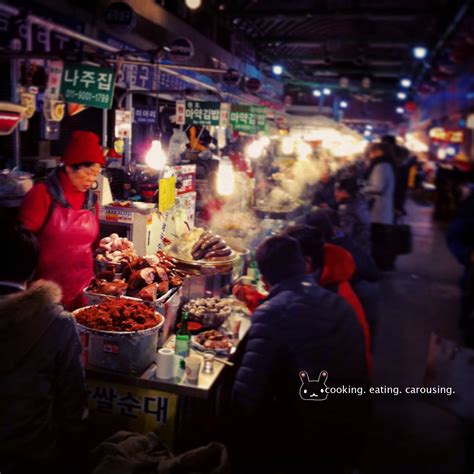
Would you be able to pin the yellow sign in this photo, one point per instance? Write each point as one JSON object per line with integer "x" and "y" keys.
{"x": 28, "y": 100}
{"x": 132, "y": 408}
{"x": 166, "y": 193}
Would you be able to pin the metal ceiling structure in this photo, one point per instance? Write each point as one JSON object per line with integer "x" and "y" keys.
{"x": 358, "y": 48}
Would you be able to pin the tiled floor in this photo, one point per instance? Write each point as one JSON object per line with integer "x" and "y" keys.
{"x": 409, "y": 435}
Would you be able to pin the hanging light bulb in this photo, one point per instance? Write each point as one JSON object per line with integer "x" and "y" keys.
{"x": 255, "y": 149}
{"x": 265, "y": 141}
{"x": 287, "y": 146}
{"x": 303, "y": 150}
{"x": 156, "y": 156}
{"x": 225, "y": 177}
{"x": 193, "y": 4}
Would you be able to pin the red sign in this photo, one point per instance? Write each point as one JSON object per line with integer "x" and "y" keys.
{"x": 8, "y": 122}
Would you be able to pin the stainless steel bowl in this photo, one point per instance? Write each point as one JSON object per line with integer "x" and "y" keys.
{"x": 126, "y": 352}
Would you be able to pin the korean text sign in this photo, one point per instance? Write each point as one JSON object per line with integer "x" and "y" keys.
{"x": 133, "y": 408}
{"x": 202, "y": 113}
{"x": 88, "y": 85}
{"x": 248, "y": 118}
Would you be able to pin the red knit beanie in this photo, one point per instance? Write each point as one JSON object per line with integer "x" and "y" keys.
{"x": 83, "y": 146}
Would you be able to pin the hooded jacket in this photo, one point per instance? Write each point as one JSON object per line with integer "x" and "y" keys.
{"x": 338, "y": 269}
{"x": 42, "y": 391}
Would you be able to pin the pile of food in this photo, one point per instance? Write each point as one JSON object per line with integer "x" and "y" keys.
{"x": 146, "y": 278}
{"x": 115, "y": 250}
{"x": 214, "y": 340}
{"x": 118, "y": 315}
{"x": 198, "y": 244}
{"x": 211, "y": 312}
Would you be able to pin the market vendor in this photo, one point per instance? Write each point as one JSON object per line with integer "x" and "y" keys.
{"x": 63, "y": 213}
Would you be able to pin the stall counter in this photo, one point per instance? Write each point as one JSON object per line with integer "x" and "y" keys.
{"x": 169, "y": 407}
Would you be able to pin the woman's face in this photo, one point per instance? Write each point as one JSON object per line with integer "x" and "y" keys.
{"x": 85, "y": 177}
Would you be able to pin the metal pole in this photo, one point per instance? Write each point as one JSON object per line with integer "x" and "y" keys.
{"x": 15, "y": 99}
{"x": 127, "y": 157}
{"x": 104, "y": 127}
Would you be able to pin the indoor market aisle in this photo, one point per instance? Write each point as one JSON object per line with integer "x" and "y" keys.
{"x": 420, "y": 297}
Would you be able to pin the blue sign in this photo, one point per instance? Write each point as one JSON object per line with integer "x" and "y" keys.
{"x": 146, "y": 115}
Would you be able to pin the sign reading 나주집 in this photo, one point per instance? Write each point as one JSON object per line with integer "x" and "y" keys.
{"x": 202, "y": 113}
{"x": 88, "y": 85}
{"x": 248, "y": 118}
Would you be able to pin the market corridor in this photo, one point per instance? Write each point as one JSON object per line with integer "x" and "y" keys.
{"x": 420, "y": 297}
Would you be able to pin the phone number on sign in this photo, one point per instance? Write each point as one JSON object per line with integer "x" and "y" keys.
{"x": 84, "y": 95}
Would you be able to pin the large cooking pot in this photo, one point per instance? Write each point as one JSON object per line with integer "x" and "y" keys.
{"x": 126, "y": 352}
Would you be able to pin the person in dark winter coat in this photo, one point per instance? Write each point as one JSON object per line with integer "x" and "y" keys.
{"x": 324, "y": 191}
{"x": 42, "y": 387}
{"x": 328, "y": 222}
{"x": 301, "y": 332}
{"x": 366, "y": 275}
{"x": 380, "y": 189}
{"x": 353, "y": 212}
{"x": 460, "y": 240}
{"x": 332, "y": 267}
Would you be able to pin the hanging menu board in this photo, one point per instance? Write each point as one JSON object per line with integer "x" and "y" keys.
{"x": 88, "y": 85}
{"x": 248, "y": 118}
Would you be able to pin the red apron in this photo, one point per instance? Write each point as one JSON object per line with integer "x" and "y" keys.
{"x": 66, "y": 252}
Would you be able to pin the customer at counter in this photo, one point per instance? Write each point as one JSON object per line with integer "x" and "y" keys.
{"x": 366, "y": 275}
{"x": 41, "y": 378}
{"x": 63, "y": 213}
{"x": 332, "y": 267}
{"x": 301, "y": 332}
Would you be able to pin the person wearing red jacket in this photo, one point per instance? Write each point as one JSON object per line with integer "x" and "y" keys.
{"x": 333, "y": 267}
{"x": 63, "y": 214}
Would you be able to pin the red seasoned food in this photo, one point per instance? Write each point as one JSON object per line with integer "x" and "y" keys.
{"x": 118, "y": 315}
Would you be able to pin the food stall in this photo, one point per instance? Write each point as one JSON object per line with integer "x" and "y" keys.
{"x": 134, "y": 307}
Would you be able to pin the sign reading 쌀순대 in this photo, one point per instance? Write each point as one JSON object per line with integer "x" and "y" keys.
{"x": 248, "y": 118}
{"x": 133, "y": 408}
{"x": 88, "y": 85}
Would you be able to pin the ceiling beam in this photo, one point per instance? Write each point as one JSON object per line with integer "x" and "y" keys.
{"x": 375, "y": 14}
{"x": 301, "y": 43}
{"x": 368, "y": 62}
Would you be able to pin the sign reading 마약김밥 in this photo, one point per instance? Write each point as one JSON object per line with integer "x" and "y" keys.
{"x": 248, "y": 118}
{"x": 202, "y": 113}
{"x": 88, "y": 85}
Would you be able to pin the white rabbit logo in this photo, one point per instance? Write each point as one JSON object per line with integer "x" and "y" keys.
{"x": 313, "y": 390}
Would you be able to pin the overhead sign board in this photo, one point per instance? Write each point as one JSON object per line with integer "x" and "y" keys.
{"x": 88, "y": 85}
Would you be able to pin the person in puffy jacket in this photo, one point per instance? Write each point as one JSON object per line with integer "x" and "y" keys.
{"x": 333, "y": 268}
{"x": 460, "y": 241}
{"x": 42, "y": 388}
{"x": 303, "y": 342}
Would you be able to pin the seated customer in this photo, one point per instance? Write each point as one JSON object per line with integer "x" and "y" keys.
{"x": 301, "y": 332}
{"x": 41, "y": 378}
{"x": 353, "y": 212}
{"x": 332, "y": 267}
{"x": 366, "y": 276}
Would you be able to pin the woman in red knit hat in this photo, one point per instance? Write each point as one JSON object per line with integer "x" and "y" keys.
{"x": 63, "y": 213}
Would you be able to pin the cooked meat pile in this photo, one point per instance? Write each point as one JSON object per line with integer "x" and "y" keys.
{"x": 118, "y": 315}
